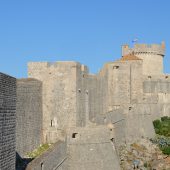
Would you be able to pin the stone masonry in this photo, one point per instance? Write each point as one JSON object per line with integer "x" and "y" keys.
{"x": 63, "y": 90}
{"x": 100, "y": 112}
{"x": 29, "y": 116}
{"x": 7, "y": 122}
{"x": 152, "y": 56}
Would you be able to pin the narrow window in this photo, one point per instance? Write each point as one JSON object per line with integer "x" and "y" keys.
{"x": 51, "y": 123}
{"x": 42, "y": 166}
{"x": 74, "y": 135}
{"x": 115, "y": 67}
{"x": 112, "y": 140}
{"x": 87, "y": 92}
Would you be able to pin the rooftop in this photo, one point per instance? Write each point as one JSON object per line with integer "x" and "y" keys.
{"x": 129, "y": 57}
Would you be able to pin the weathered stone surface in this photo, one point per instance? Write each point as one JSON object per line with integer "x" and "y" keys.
{"x": 63, "y": 96}
{"x": 152, "y": 56}
{"x": 145, "y": 154}
{"x": 125, "y": 96}
{"x": 55, "y": 158}
{"x": 29, "y": 116}
{"x": 91, "y": 148}
{"x": 7, "y": 122}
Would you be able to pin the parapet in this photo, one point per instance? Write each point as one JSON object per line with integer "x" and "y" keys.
{"x": 25, "y": 80}
{"x": 35, "y": 69}
{"x": 45, "y": 65}
{"x": 158, "y": 49}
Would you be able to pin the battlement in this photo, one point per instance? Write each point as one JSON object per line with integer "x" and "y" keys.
{"x": 44, "y": 65}
{"x": 157, "y": 49}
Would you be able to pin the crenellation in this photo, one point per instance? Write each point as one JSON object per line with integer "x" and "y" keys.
{"x": 91, "y": 114}
{"x": 144, "y": 48}
{"x": 152, "y": 56}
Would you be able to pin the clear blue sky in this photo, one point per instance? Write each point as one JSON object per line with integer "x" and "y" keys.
{"x": 88, "y": 31}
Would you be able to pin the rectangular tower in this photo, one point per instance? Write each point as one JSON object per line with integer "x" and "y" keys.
{"x": 63, "y": 96}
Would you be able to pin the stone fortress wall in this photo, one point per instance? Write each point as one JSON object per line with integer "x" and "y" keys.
{"x": 152, "y": 56}
{"x": 7, "y": 122}
{"x": 29, "y": 116}
{"x": 63, "y": 96}
{"x": 55, "y": 158}
{"x": 62, "y": 101}
{"x": 125, "y": 96}
{"x": 91, "y": 148}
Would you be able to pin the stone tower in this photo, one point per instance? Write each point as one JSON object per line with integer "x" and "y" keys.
{"x": 63, "y": 96}
{"x": 152, "y": 56}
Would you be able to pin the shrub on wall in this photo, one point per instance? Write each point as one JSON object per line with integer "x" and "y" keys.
{"x": 162, "y": 128}
{"x": 166, "y": 150}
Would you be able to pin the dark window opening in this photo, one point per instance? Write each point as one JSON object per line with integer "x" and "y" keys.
{"x": 149, "y": 77}
{"x": 130, "y": 108}
{"x": 112, "y": 140}
{"x": 115, "y": 67}
{"x": 51, "y": 123}
{"x": 42, "y": 166}
{"x": 74, "y": 135}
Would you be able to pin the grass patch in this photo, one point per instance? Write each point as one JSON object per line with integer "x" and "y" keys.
{"x": 37, "y": 152}
{"x": 138, "y": 147}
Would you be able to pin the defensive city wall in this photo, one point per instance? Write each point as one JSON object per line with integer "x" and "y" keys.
{"x": 72, "y": 97}
{"x": 89, "y": 116}
{"x": 125, "y": 96}
{"x": 29, "y": 115}
{"x": 7, "y": 122}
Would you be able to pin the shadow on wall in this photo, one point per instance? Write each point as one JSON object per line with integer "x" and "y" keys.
{"x": 21, "y": 163}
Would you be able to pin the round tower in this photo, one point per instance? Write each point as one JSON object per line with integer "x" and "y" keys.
{"x": 152, "y": 56}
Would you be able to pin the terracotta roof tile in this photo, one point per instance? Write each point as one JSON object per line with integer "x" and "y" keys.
{"x": 129, "y": 57}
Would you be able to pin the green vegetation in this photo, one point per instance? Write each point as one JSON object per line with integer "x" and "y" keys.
{"x": 162, "y": 129}
{"x": 163, "y": 143}
{"x": 166, "y": 150}
{"x": 37, "y": 152}
{"x": 147, "y": 165}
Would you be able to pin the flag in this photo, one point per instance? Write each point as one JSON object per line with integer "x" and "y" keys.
{"x": 135, "y": 40}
